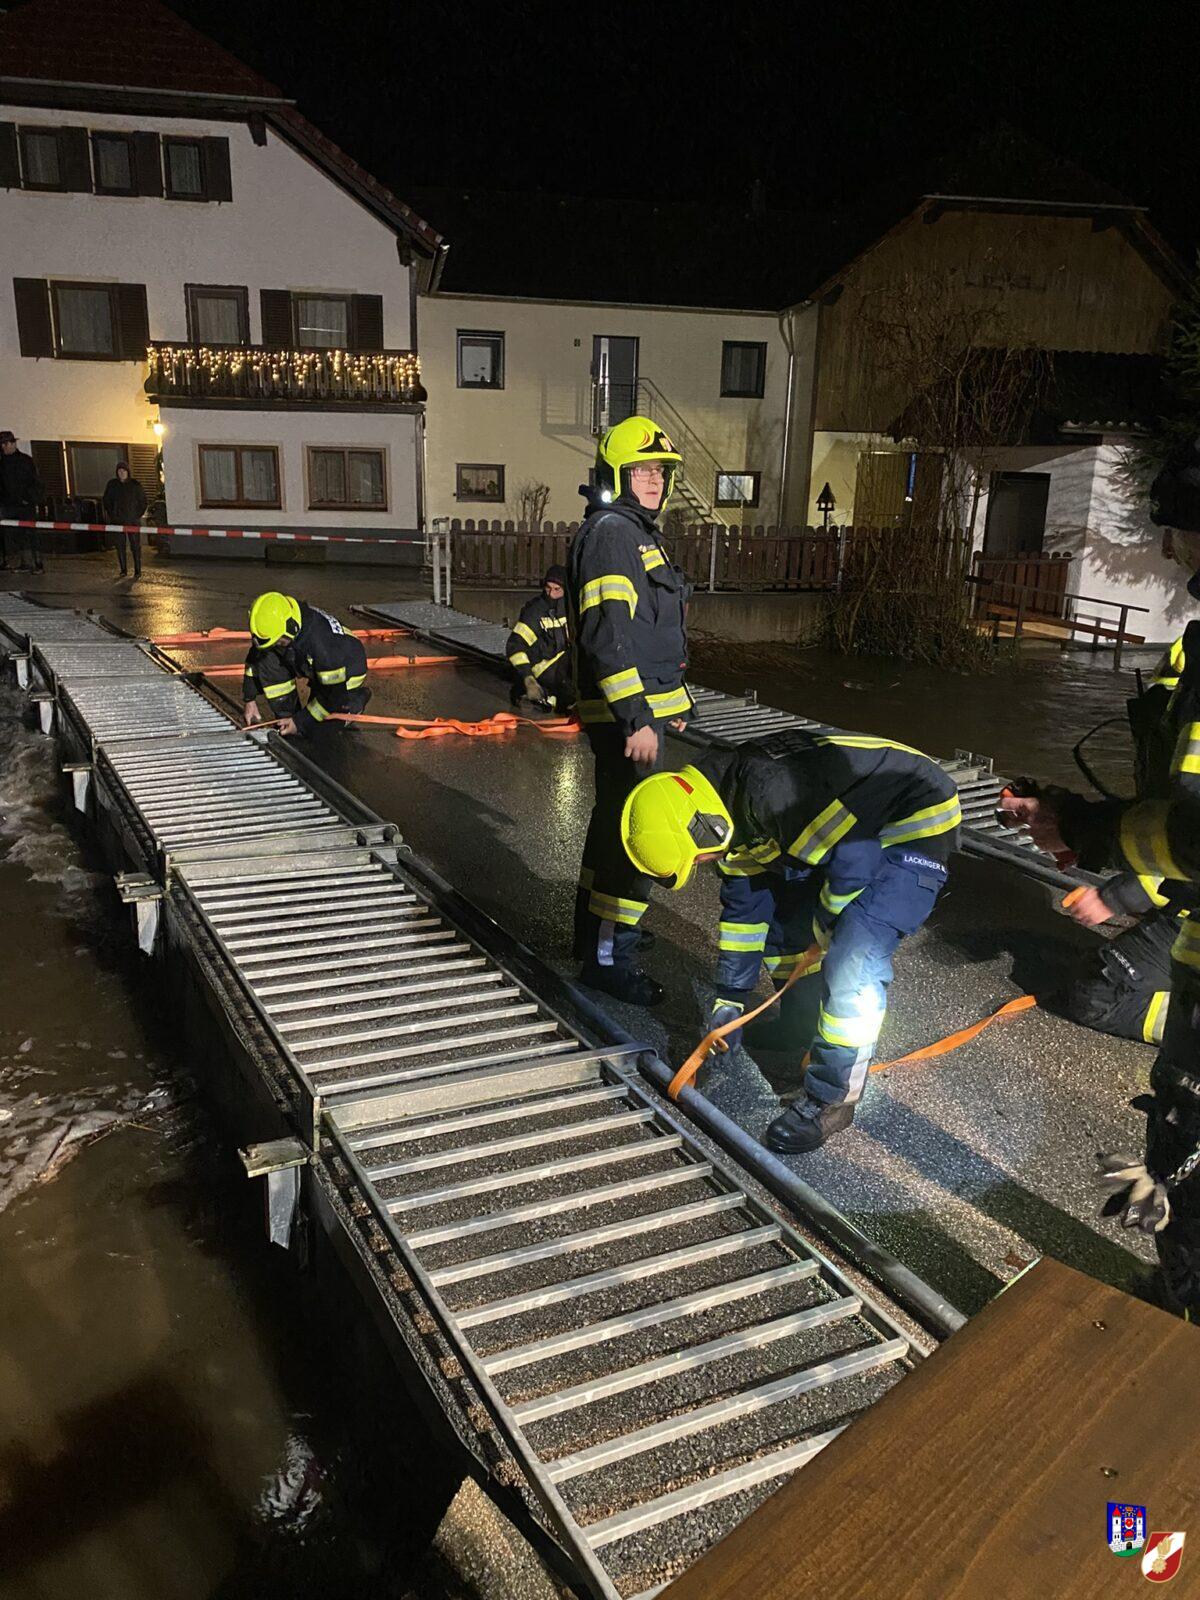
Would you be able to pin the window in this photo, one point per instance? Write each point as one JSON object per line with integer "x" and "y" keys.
{"x": 41, "y": 163}
{"x": 738, "y": 488}
{"x": 84, "y": 320}
{"x": 183, "y": 163}
{"x": 90, "y": 466}
{"x": 346, "y": 480}
{"x": 743, "y": 367}
{"x": 321, "y": 322}
{"x": 113, "y": 163}
{"x": 480, "y": 483}
{"x": 480, "y": 361}
{"x": 239, "y": 475}
{"x": 217, "y": 314}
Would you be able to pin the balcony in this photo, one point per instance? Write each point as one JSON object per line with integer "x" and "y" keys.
{"x": 254, "y": 376}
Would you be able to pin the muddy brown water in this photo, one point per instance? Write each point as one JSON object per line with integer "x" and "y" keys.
{"x": 171, "y": 1422}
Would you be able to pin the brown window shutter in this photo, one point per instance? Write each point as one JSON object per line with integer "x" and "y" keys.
{"x": 133, "y": 322}
{"x": 366, "y": 322}
{"x": 32, "y": 296}
{"x": 143, "y": 466}
{"x": 75, "y": 160}
{"x": 10, "y": 167}
{"x": 50, "y": 461}
{"x": 214, "y": 157}
{"x": 276, "y": 318}
{"x": 147, "y": 164}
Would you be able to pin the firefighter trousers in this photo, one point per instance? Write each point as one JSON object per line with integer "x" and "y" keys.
{"x": 613, "y": 895}
{"x": 774, "y": 918}
{"x": 1124, "y": 987}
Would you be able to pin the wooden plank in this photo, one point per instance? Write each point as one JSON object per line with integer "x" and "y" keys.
{"x": 986, "y": 1472}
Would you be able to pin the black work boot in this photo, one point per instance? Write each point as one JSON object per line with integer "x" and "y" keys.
{"x": 622, "y": 983}
{"x": 806, "y": 1125}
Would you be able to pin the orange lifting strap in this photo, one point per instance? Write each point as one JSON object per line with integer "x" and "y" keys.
{"x": 234, "y": 669}
{"x": 438, "y": 727}
{"x": 233, "y": 636}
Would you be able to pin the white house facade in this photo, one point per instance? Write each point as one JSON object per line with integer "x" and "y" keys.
{"x": 521, "y": 389}
{"x": 197, "y": 281}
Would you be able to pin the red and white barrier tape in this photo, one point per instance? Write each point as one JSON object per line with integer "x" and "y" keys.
{"x": 294, "y": 537}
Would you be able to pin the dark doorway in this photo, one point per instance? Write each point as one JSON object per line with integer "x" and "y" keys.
{"x": 614, "y": 378}
{"x": 1016, "y": 514}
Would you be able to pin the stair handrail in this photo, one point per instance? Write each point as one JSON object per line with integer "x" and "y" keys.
{"x": 692, "y": 446}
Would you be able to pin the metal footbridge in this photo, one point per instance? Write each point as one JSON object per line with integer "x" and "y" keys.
{"x": 728, "y": 720}
{"x": 632, "y": 1344}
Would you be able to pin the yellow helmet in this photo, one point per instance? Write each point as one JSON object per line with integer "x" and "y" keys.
{"x": 672, "y": 820}
{"x": 637, "y": 439}
{"x": 272, "y": 617}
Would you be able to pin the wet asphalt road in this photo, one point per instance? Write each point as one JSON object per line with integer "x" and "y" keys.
{"x": 966, "y": 1168}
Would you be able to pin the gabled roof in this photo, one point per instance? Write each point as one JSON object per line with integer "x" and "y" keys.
{"x": 121, "y": 43}
{"x": 138, "y": 55}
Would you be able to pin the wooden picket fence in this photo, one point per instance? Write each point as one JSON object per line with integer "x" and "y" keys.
{"x": 714, "y": 556}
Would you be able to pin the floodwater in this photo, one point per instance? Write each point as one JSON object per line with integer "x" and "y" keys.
{"x": 173, "y": 1418}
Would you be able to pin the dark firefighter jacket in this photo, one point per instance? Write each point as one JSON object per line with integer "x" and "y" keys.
{"x": 628, "y": 604}
{"x": 1153, "y": 718}
{"x": 1158, "y": 837}
{"x": 832, "y": 800}
{"x": 538, "y": 646}
{"x": 323, "y": 652}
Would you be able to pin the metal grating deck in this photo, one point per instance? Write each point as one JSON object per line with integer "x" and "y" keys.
{"x": 118, "y": 658}
{"x": 654, "y": 1346}
{"x": 729, "y": 720}
{"x": 155, "y": 706}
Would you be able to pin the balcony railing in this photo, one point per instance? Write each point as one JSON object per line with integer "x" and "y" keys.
{"x": 255, "y": 374}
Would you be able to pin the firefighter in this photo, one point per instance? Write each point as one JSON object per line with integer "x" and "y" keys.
{"x": 538, "y": 649}
{"x": 293, "y": 640}
{"x": 627, "y": 608}
{"x": 828, "y": 841}
{"x": 1125, "y": 986}
{"x": 1157, "y": 837}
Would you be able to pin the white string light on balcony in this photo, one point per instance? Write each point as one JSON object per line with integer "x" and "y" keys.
{"x": 366, "y": 373}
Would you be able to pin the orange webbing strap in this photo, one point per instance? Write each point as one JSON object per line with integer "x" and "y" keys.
{"x": 234, "y": 669}
{"x": 233, "y": 636}
{"x": 1075, "y": 894}
{"x": 437, "y": 727}
{"x": 716, "y": 1039}
{"x": 943, "y": 1047}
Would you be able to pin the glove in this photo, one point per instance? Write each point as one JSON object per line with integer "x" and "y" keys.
{"x": 1139, "y": 1199}
{"x": 724, "y": 1011}
{"x": 533, "y": 689}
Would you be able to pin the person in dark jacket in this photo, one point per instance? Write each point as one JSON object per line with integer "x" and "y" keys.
{"x": 1159, "y": 838}
{"x": 1123, "y": 987}
{"x": 21, "y": 492}
{"x": 125, "y": 502}
{"x": 537, "y": 648}
{"x": 832, "y": 848}
{"x": 293, "y": 640}
{"x": 628, "y": 605}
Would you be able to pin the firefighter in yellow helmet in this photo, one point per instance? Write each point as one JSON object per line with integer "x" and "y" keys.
{"x": 291, "y": 640}
{"x": 832, "y": 849}
{"x": 628, "y": 604}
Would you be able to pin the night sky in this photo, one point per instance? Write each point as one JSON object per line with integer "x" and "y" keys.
{"x": 820, "y": 103}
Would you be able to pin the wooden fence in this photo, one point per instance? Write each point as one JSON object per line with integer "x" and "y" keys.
{"x": 512, "y": 554}
{"x": 1039, "y": 583}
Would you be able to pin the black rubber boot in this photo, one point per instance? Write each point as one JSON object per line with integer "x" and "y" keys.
{"x": 622, "y": 983}
{"x": 806, "y": 1125}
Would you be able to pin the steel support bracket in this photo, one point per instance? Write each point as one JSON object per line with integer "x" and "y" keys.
{"x": 278, "y": 1161}
{"x": 45, "y": 704}
{"x": 81, "y": 778}
{"x": 139, "y": 890}
{"x": 21, "y": 663}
